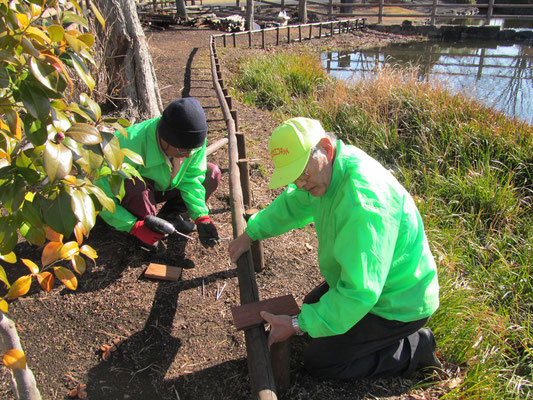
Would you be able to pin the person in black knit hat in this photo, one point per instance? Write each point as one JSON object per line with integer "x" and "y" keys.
{"x": 175, "y": 171}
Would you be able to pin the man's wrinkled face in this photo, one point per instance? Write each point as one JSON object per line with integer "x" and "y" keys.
{"x": 317, "y": 174}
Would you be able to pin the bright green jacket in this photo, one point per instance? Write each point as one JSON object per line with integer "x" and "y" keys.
{"x": 372, "y": 249}
{"x": 142, "y": 140}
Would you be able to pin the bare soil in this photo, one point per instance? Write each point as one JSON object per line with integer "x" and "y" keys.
{"x": 176, "y": 340}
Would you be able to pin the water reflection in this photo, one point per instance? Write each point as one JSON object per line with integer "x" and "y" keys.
{"x": 499, "y": 75}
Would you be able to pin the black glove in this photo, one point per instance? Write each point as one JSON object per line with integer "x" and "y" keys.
{"x": 207, "y": 232}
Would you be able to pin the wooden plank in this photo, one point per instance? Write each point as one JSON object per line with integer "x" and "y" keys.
{"x": 164, "y": 272}
{"x": 247, "y": 315}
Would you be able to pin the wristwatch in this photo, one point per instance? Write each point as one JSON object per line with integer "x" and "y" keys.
{"x": 295, "y": 325}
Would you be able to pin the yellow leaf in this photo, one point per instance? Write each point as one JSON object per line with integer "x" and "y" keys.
{"x": 9, "y": 258}
{"x": 68, "y": 250}
{"x": 78, "y": 263}
{"x": 14, "y": 359}
{"x": 79, "y": 232}
{"x": 70, "y": 179}
{"x": 51, "y": 253}
{"x": 3, "y": 277}
{"x": 46, "y": 280}
{"x": 15, "y": 124}
{"x": 88, "y": 251}
{"x": 67, "y": 277}
{"x": 52, "y": 235}
{"x": 4, "y": 307}
{"x": 20, "y": 287}
{"x": 23, "y": 19}
{"x": 34, "y": 269}
{"x": 38, "y": 35}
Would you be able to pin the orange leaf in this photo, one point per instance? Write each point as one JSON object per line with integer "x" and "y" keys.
{"x": 68, "y": 250}
{"x": 78, "y": 263}
{"x": 34, "y": 269}
{"x": 51, "y": 253}
{"x": 67, "y": 277}
{"x": 46, "y": 280}
{"x": 52, "y": 235}
{"x": 79, "y": 232}
{"x": 14, "y": 359}
{"x": 20, "y": 287}
{"x": 88, "y": 251}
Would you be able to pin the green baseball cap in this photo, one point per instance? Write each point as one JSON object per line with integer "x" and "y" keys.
{"x": 290, "y": 145}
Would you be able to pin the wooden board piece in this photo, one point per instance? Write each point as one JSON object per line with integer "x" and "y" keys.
{"x": 247, "y": 315}
{"x": 164, "y": 272}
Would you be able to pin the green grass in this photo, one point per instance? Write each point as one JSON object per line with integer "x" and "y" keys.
{"x": 470, "y": 169}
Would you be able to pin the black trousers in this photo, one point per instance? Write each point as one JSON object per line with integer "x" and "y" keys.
{"x": 374, "y": 347}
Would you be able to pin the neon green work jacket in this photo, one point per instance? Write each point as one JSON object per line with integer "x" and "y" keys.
{"x": 142, "y": 140}
{"x": 372, "y": 249}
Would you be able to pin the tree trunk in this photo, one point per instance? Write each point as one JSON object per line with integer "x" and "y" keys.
{"x": 249, "y": 23}
{"x": 127, "y": 59}
{"x": 181, "y": 9}
{"x": 22, "y": 380}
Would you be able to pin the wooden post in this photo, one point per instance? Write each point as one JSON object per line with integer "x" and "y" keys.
{"x": 331, "y": 28}
{"x": 302, "y": 11}
{"x": 244, "y": 170}
{"x": 221, "y": 82}
{"x": 288, "y": 34}
{"x": 234, "y": 40}
{"x": 330, "y": 10}
{"x": 300, "y": 33}
{"x": 228, "y": 100}
{"x": 380, "y": 12}
{"x": 280, "y": 356}
{"x": 310, "y": 31}
{"x": 263, "y": 38}
{"x": 258, "y": 254}
{"x": 236, "y": 120}
{"x": 490, "y": 11}
{"x": 433, "y": 12}
{"x": 250, "y": 39}
{"x": 320, "y": 31}
{"x": 277, "y": 36}
{"x": 224, "y": 39}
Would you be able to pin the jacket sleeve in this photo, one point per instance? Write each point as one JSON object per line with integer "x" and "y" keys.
{"x": 290, "y": 210}
{"x": 191, "y": 188}
{"x": 363, "y": 247}
{"x": 121, "y": 219}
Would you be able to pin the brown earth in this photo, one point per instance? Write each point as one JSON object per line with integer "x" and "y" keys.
{"x": 175, "y": 340}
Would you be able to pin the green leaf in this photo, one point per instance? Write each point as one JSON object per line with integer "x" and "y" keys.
{"x": 8, "y": 235}
{"x": 32, "y": 214}
{"x": 56, "y": 32}
{"x": 92, "y": 158}
{"x": 35, "y": 100}
{"x": 111, "y": 149}
{"x": 44, "y": 73}
{"x": 84, "y": 134}
{"x": 133, "y": 157}
{"x": 57, "y": 160}
{"x": 93, "y": 106}
{"x": 105, "y": 201}
{"x": 35, "y": 130}
{"x": 36, "y": 236}
{"x": 58, "y": 214}
{"x": 4, "y": 78}
{"x": 83, "y": 208}
{"x": 116, "y": 183}
{"x": 82, "y": 71}
{"x": 76, "y": 44}
{"x": 12, "y": 194}
{"x": 70, "y": 17}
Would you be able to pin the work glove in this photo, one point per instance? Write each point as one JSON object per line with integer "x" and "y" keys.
{"x": 207, "y": 232}
{"x": 145, "y": 234}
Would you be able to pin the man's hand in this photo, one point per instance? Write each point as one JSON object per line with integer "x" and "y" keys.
{"x": 280, "y": 327}
{"x": 239, "y": 246}
{"x": 145, "y": 234}
{"x": 207, "y": 232}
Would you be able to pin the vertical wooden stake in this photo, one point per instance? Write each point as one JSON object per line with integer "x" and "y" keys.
{"x": 236, "y": 121}
{"x": 300, "y": 33}
{"x": 280, "y": 354}
{"x": 277, "y": 36}
{"x": 250, "y": 38}
{"x": 224, "y": 39}
{"x": 234, "y": 40}
{"x": 288, "y": 34}
{"x": 241, "y": 144}
{"x": 244, "y": 169}
{"x": 263, "y": 38}
{"x": 258, "y": 254}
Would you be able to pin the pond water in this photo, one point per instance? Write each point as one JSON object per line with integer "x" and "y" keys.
{"x": 497, "y": 74}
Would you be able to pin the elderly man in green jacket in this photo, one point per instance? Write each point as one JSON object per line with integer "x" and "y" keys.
{"x": 366, "y": 319}
{"x": 175, "y": 171}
